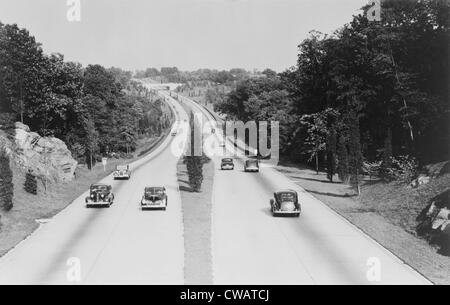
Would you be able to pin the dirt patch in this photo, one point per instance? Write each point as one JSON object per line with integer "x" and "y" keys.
{"x": 20, "y": 222}
{"x": 197, "y": 226}
{"x": 385, "y": 212}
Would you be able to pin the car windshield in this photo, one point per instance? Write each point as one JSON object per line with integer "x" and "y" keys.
{"x": 286, "y": 197}
{"x": 154, "y": 190}
{"x": 122, "y": 167}
{"x": 252, "y": 163}
{"x": 101, "y": 188}
{"x": 150, "y": 196}
{"x": 227, "y": 160}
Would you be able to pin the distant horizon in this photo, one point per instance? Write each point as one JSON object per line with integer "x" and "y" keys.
{"x": 187, "y": 34}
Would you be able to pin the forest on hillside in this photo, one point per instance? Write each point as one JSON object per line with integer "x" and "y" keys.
{"x": 95, "y": 110}
{"x": 371, "y": 95}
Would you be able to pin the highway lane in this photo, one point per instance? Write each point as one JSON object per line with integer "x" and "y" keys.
{"x": 123, "y": 245}
{"x": 252, "y": 247}
{"x": 119, "y": 245}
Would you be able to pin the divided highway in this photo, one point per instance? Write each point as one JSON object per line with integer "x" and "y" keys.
{"x": 252, "y": 247}
{"x": 123, "y": 245}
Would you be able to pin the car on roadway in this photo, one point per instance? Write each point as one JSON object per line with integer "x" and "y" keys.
{"x": 100, "y": 195}
{"x": 174, "y": 134}
{"x": 227, "y": 164}
{"x": 154, "y": 198}
{"x": 122, "y": 172}
{"x": 251, "y": 166}
{"x": 285, "y": 203}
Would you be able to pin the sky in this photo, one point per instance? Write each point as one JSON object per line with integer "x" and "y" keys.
{"x": 188, "y": 34}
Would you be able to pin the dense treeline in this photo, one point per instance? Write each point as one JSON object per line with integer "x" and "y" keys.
{"x": 371, "y": 91}
{"x": 95, "y": 110}
{"x": 200, "y": 76}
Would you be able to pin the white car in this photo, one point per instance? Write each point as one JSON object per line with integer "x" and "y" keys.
{"x": 122, "y": 172}
{"x": 154, "y": 198}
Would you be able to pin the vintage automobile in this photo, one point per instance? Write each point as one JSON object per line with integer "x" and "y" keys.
{"x": 100, "y": 196}
{"x": 154, "y": 198}
{"x": 122, "y": 172}
{"x": 227, "y": 164}
{"x": 285, "y": 203}
{"x": 174, "y": 134}
{"x": 251, "y": 165}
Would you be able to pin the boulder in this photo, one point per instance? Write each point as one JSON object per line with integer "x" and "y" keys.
{"x": 434, "y": 222}
{"x": 47, "y": 157}
{"x": 437, "y": 169}
{"x": 421, "y": 180}
{"x": 22, "y": 126}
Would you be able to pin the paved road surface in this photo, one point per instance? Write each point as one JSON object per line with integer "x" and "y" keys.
{"x": 252, "y": 247}
{"x": 120, "y": 245}
{"x": 123, "y": 245}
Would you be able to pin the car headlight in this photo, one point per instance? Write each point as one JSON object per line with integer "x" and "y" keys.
{"x": 92, "y": 196}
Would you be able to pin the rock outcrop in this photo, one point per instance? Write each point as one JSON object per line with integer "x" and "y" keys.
{"x": 434, "y": 222}
{"x": 46, "y": 156}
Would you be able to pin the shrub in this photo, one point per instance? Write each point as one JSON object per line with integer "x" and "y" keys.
{"x": 194, "y": 165}
{"x": 403, "y": 169}
{"x": 31, "y": 183}
{"x": 6, "y": 184}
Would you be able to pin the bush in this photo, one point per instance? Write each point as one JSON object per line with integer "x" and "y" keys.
{"x": 194, "y": 165}
{"x": 403, "y": 169}
{"x": 6, "y": 184}
{"x": 31, "y": 183}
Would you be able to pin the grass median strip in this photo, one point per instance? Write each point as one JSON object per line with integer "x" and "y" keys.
{"x": 196, "y": 208}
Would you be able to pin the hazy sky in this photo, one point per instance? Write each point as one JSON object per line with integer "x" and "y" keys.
{"x": 189, "y": 34}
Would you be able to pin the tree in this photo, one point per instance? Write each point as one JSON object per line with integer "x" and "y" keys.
{"x": 331, "y": 154}
{"x": 30, "y": 183}
{"x": 90, "y": 141}
{"x": 6, "y": 182}
{"x": 355, "y": 156}
{"x": 317, "y": 134}
{"x": 387, "y": 156}
{"x": 343, "y": 162}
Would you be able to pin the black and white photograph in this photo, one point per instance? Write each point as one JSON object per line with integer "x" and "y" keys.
{"x": 228, "y": 150}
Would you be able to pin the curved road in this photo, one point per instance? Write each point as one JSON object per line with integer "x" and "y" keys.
{"x": 119, "y": 245}
{"x": 123, "y": 245}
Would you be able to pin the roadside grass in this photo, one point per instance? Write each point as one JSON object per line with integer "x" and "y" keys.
{"x": 21, "y": 221}
{"x": 385, "y": 211}
{"x": 401, "y": 204}
{"x": 197, "y": 211}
